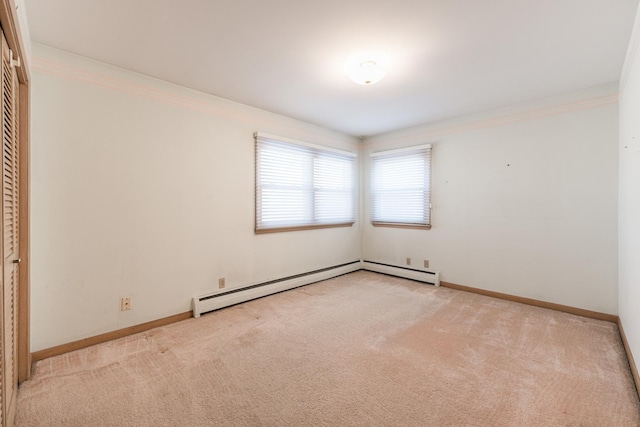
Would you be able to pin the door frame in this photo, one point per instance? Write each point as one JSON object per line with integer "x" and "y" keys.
{"x": 10, "y": 26}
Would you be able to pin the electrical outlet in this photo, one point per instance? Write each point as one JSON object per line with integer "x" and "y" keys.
{"x": 125, "y": 304}
{"x": 221, "y": 283}
{"x": 408, "y": 261}
{"x": 426, "y": 263}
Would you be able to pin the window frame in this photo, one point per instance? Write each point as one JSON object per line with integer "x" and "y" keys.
{"x": 310, "y": 192}
{"x": 379, "y": 156}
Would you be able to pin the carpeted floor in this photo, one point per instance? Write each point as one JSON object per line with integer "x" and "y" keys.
{"x": 359, "y": 350}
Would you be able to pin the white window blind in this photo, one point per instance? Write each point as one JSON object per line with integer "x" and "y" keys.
{"x": 300, "y": 185}
{"x": 401, "y": 187}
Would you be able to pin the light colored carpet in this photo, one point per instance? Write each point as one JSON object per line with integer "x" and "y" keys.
{"x": 359, "y": 350}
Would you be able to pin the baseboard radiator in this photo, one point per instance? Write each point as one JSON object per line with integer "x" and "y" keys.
{"x": 427, "y": 276}
{"x": 216, "y": 300}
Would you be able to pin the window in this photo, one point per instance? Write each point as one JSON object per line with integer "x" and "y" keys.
{"x": 301, "y": 186}
{"x": 400, "y": 187}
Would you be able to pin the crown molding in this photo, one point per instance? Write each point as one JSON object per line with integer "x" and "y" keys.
{"x": 68, "y": 66}
{"x": 500, "y": 117}
{"x": 91, "y": 72}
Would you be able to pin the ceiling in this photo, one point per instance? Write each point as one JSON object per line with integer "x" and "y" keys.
{"x": 445, "y": 58}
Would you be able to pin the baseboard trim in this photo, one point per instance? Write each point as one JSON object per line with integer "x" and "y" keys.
{"x": 99, "y": 339}
{"x": 632, "y": 364}
{"x": 120, "y": 333}
{"x": 534, "y": 302}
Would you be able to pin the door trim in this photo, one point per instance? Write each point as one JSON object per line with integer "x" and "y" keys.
{"x": 10, "y": 26}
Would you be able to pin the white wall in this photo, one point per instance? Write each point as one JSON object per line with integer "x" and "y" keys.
{"x": 629, "y": 203}
{"x": 145, "y": 189}
{"x": 524, "y": 201}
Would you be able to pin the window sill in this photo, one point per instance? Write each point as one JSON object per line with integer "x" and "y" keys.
{"x": 301, "y": 227}
{"x": 401, "y": 225}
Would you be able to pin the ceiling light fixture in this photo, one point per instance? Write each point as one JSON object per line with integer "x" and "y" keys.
{"x": 368, "y": 73}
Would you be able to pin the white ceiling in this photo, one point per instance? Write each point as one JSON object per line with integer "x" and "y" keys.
{"x": 445, "y": 58}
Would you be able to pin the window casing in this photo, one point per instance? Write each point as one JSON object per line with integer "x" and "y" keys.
{"x": 302, "y": 186}
{"x": 401, "y": 187}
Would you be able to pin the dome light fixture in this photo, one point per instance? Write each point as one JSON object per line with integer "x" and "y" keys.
{"x": 368, "y": 73}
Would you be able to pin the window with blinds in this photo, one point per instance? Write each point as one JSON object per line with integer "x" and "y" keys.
{"x": 302, "y": 186}
{"x": 401, "y": 187}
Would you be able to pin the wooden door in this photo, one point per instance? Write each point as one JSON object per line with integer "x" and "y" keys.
{"x": 9, "y": 233}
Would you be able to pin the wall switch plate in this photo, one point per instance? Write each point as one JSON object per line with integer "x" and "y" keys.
{"x": 221, "y": 283}
{"x": 125, "y": 304}
{"x": 426, "y": 263}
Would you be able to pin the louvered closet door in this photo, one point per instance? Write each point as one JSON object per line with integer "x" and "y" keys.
{"x": 9, "y": 234}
